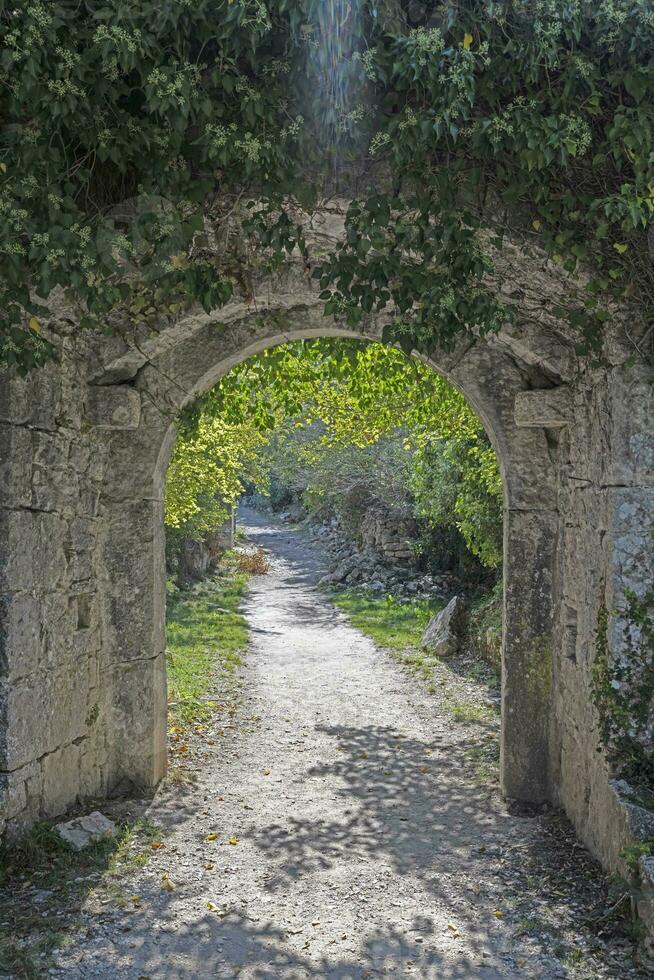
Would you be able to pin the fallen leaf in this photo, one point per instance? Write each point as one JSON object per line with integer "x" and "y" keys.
{"x": 535, "y": 225}
{"x": 209, "y": 867}
{"x": 156, "y": 845}
{"x": 233, "y": 840}
{"x": 211, "y": 837}
{"x": 498, "y": 915}
{"x": 424, "y": 769}
{"x": 266, "y": 772}
{"x": 135, "y": 898}
{"x": 467, "y": 41}
{"x": 166, "y": 883}
{"x": 35, "y": 325}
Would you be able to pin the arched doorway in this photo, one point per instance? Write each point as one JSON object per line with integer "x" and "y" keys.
{"x": 486, "y": 375}
{"x": 83, "y": 449}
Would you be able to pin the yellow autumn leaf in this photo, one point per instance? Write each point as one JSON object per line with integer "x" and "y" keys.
{"x": 535, "y": 225}
{"x": 212, "y": 907}
{"x": 35, "y": 325}
{"x": 167, "y": 884}
{"x": 467, "y": 41}
{"x": 156, "y": 845}
{"x": 620, "y": 247}
{"x": 209, "y": 867}
{"x": 135, "y": 898}
{"x": 498, "y": 915}
{"x": 211, "y": 837}
{"x": 3, "y": 168}
{"x": 233, "y": 840}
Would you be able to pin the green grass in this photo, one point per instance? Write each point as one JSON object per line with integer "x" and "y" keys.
{"x": 398, "y": 627}
{"x": 485, "y": 761}
{"x": 206, "y": 633}
{"x": 390, "y": 623}
{"x": 468, "y": 713}
{"x": 29, "y": 931}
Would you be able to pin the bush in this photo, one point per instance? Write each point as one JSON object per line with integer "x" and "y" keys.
{"x": 252, "y": 562}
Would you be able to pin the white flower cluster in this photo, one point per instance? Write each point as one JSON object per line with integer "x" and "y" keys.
{"x": 426, "y": 42}
{"x": 367, "y": 59}
{"x": 293, "y": 129}
{"x": 410, "y": 120}
{"x": 171, "y": 87}
{"x": 251, "y": 147}
{"x": 577, "y": 132}
{"x": 378, "y": 143}
{"x": 276, "y": 67}
{"x": 118, "y": 36}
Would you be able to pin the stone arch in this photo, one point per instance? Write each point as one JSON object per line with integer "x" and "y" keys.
{"x": 171, "y": 378}
{"x": 83, "y": 447}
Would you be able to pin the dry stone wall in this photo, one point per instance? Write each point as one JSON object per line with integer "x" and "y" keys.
{"x": 392, "y": 537}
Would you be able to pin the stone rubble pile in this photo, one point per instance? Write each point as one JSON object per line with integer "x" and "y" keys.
{"x": 374, "y": 571}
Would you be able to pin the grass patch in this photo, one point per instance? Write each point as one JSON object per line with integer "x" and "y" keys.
{"x": 470, "y": 714}
{"x": 40, "y": 875}
{"x": 390, "y": 623}
{"x": 398, "y": 627}
{"x": 205, "y": 632}
{"x": 484, "y": 761}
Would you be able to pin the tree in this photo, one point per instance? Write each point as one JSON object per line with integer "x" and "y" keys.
{"x": 359, "y": 424}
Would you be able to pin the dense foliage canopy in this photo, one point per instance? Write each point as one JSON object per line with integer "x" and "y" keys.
{"x": 137, "y": 136}
{"x": 342, "y": 423}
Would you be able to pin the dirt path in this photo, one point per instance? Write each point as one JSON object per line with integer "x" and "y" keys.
{"x": 365, "y": 849}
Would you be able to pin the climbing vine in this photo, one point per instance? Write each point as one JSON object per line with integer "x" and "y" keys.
{"x": 152, "y": 151}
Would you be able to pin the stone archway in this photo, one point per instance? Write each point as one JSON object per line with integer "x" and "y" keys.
{"x": 489, "y": 379}
{"x": 83, "y": 450}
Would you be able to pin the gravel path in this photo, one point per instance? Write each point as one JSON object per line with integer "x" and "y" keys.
{"x": 365, "y": 848}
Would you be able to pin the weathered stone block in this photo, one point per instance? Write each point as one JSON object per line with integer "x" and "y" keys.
{"x": 60, "y": 770}
{"x": 548, "y": 408}
{"x": 113, "y": 407}
{"x": 20, "y": 635}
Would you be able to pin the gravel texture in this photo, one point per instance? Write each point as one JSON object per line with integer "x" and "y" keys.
{"x": 363, "y": 845}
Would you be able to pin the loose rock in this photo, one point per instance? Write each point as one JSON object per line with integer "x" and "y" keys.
{"x": 443, "y": 634}
{"x": 82, "y": 831}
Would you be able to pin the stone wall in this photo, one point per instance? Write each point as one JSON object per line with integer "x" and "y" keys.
{"x": 392, "y": 537}
{"x": 84, "y": 446}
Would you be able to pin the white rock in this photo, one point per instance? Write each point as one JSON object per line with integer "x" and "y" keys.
{"x": 82, "y": 831}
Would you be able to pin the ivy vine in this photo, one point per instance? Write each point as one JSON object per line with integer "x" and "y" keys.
{"x": 623, "y": 693}
{"x": 149, "y": 149}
